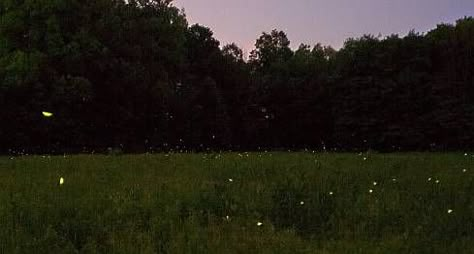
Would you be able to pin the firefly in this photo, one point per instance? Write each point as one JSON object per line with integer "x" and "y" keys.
{"x": 61, "y": 181}
{"x": 259, "y": 224}
{"x": 47, "y": 114}
{"x": 450, "y": 211}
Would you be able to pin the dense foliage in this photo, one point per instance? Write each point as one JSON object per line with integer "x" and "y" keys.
{"x": 134, "y": 75}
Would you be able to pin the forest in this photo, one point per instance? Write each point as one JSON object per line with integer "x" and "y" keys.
{"x": 136, "y": 76}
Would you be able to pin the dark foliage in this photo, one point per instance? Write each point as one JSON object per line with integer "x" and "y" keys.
{"x": 134, "y": 76}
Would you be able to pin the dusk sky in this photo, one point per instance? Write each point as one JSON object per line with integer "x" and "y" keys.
{"x": 327, "y": 21}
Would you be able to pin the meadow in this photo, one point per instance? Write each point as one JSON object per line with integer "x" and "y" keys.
{"x": 260, "y": 202}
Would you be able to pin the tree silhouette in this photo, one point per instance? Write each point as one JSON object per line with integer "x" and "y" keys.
{"x": 134, "y": 75}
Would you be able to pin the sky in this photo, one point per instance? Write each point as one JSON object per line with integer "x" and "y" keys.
{"x": 329, "y": 22}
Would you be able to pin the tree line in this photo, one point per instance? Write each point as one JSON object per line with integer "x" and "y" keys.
{"x": 136, "y": 76}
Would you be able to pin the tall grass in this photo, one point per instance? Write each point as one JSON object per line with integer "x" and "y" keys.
{"x": 211, "y": 203}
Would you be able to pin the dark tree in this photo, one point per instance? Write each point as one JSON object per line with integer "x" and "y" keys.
{"x": 133, "y": 75}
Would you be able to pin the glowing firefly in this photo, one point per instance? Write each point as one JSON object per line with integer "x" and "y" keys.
{"x": 47, "y": 114}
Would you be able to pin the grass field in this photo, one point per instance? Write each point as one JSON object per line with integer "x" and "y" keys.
{"x": 238, "y": 203}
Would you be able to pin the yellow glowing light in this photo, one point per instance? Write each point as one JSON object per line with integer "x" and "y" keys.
{"x": 61, "y": 181}
{"x": 47, "y": 114}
